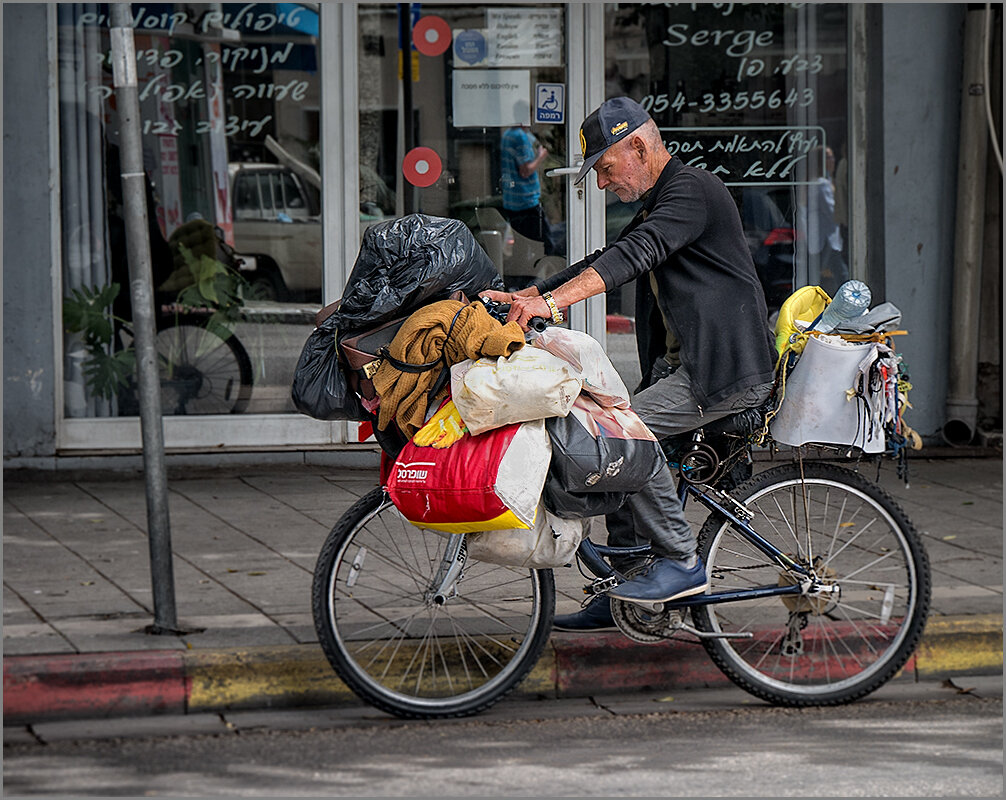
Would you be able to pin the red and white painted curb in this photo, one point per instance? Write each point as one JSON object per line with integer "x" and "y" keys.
{"x": 41, "y": 688}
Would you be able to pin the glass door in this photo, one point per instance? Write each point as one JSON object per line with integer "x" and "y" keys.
{"x": 462, "y": 114}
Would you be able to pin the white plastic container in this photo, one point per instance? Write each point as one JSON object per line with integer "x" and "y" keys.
{"x": 817, "y": 406}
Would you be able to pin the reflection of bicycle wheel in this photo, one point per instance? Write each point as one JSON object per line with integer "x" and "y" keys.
{"x": 201, "y": 372}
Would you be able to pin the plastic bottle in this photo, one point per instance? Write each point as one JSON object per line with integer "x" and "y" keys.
{"x": 851, "y": 300}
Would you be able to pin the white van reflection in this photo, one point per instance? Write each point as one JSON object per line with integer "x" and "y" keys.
{"x": 276, "y": 213}
{"x": 277, "y": 231}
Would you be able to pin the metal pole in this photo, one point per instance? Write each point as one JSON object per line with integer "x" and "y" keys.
{"x": 405, "y": 37}
{"x": 140, "y": 283}
{"x": 962, "y": 394}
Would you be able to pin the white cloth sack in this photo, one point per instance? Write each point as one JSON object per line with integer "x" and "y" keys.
{"x": 531, "y": 384}
{"x": 550, "y": 542}
{"x": 816, "y": 406}
{"x": 585, "y": 354}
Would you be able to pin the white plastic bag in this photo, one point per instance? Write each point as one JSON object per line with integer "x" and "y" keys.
{"x": 550, "y": 542}
{"x": 820, "y": 404}
{"x": 531, "y": 384}
{"x": 585, "y": 354}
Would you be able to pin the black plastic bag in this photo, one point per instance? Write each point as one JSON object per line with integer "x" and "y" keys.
{"x": 409, "y": 262}
{"x": 598, "y": 449}
{"x": 319, "y": 385}
{"x": 573, "y": 505}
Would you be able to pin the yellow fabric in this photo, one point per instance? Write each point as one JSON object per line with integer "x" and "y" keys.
{"x": 804, "y": 304}
{"x": 444, "y": 428}
{"x": 503, "y": 522}
{"x": 423, "y": 338}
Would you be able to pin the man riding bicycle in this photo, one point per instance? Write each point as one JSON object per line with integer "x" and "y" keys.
{"x": 705, "y": 347}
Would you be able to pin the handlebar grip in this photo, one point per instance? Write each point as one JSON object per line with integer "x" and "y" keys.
{"x": 537, "y": 323}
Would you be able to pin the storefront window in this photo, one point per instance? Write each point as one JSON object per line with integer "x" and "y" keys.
{"x": 229, "y": 105}
{"x": 757, "y": 94}
{"x": 443, "y": 129}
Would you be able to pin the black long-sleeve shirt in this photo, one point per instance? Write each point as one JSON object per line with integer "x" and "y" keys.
{"x": 689, "y": 234}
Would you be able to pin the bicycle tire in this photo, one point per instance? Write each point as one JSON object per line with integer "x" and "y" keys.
{"x": 399, "y": 651}
{"x": 824, "y": 650}
{"x": 201, "y": 372}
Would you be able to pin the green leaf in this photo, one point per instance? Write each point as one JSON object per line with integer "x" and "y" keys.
{"x": 105, "y": 373}
{"x": 87, "y": 311}
{"x": 218, "y": 324}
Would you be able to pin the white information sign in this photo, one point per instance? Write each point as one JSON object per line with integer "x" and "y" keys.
{"x": 524, "y": 37}
{"x": 490, "y": 98}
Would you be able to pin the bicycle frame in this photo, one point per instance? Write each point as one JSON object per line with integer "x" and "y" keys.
{"x": 591, "y": 555}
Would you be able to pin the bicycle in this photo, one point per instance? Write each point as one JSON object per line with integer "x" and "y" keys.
{"x": 819, "y": 590}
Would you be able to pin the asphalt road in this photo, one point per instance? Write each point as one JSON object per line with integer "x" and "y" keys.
{"x": 944, "y": 741}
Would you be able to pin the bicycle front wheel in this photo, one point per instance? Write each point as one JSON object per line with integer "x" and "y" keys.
{"x": 850, "y": 636}
{"x": 399, "y": 649}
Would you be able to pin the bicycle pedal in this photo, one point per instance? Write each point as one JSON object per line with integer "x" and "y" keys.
{"x": 601, "y": 585}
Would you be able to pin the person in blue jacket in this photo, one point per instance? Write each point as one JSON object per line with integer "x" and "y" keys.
{"x": 705, "y": 347}
{"x": 521, "y": 157}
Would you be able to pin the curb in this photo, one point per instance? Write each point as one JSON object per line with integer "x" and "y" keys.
{"x": 42, "y": 688}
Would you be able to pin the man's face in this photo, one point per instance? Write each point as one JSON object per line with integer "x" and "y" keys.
{"x": 622, "y": 170}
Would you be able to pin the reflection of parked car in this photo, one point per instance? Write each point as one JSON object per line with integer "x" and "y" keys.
{"x": 277, "y": 230}
{"x": 277, "y": 223}
{"x": 519, "y": 259}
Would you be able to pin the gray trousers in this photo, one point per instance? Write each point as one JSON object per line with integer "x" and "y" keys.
{"x": 654, "y": 513}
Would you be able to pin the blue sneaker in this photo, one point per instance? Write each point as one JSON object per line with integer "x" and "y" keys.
{"x": 663, "y": 580}
{"x": 595, "y": 616}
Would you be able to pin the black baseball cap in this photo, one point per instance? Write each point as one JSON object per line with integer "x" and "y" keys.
{"x": 613, "y": 121}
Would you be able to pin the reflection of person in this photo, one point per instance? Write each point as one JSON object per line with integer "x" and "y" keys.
{"x": 702, "y": 331}
{"x": 825, "y": 266}
{"x": 841, "y": 181}
{"x": 521, "y": 158}
{"x": 161, "y": 258}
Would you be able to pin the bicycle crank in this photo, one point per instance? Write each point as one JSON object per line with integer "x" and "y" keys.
{"x": 651, "y": 624}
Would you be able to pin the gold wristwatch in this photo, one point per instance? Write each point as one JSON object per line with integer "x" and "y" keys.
{"x": 557, "y": 315}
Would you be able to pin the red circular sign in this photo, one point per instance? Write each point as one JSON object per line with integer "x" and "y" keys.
{"x": 421, "y": 166}
{"x": 431, "y": 36}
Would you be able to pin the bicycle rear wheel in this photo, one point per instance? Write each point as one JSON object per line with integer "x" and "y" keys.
{"x": 399, "y": 650}
{"x": 201, "y": 372}
{"x": 837, "y": 645}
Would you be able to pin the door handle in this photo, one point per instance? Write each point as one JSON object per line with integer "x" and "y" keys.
{"x": 573, "y": 170}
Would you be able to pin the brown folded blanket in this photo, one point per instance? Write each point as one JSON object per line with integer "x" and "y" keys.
{"x": 423, "y": 338}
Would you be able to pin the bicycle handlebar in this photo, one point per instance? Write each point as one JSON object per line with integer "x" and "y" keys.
{"x": 499, "y": 311}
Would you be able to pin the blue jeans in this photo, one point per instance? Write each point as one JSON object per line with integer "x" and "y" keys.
{"x": 654, "y": 513}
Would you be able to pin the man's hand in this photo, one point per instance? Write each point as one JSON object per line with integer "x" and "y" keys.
{"x": 514, "y": 299}
{"x": 523, "y": 307}
{"x": 496, "y": 297}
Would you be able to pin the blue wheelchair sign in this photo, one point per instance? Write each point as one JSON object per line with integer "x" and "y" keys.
{"x": 550, "y": 103}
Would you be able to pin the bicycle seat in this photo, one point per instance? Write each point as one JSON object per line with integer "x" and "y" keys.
{"x": 742, "y": 423}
